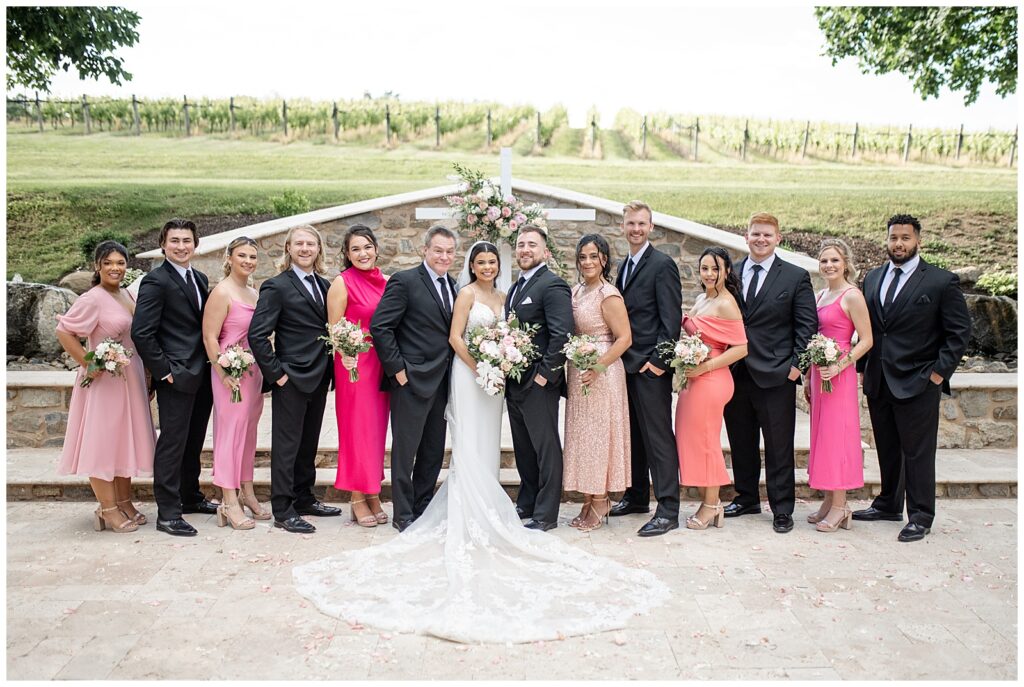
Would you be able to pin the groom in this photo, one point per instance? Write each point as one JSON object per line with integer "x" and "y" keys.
{"x": 543, "y": 298}
{"x": 410, "y": 330}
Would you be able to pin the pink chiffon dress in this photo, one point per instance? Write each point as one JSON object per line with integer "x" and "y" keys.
{"x": 110, "y": 429}
{"x": 235, "y": 424}
{"x": 836, "y": 461}
{"x": 362, "y": 408}
{"x": 701, "y": 405}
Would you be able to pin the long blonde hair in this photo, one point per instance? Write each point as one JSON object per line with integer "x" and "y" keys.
{"x": 286, "y": 261}
{"x": 850, "y": 270}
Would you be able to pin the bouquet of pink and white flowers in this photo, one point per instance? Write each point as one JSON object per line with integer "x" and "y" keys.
{"x": 687, "y": 353}
{"x": 108, "y": 356}
{"x": 485, "y": 214}
{"x": 503, "y": 350}
{"x": 582, "y": 352}
{"x": 822, "y": 351}
{"x": 347, "y": 338}
{"x": 236, "y": 361}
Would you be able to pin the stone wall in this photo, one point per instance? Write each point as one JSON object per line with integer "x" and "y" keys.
{"x": 37, "y": 416}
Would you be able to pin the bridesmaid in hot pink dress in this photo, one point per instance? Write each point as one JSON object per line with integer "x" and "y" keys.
{"x": 362, "y": 408}
{"x": 226, "y": 323}
{"x": 110, "y": 433}
{"x": 716, "y": 317}
{"x": 837, "y": 462}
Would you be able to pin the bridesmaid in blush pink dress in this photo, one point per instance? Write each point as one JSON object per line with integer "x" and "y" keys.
{"x": 716, "y": 317}
{"x": 837, "y": 461}
{"x": 110, "y": 433}
{"x": 362, "y": 408}
{"x": 225, "y": 324}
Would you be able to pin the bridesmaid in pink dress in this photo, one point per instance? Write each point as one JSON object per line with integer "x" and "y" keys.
{"x": 362, "y": 408}
{"x": 110, "y": 433}
{"x": 717, "y": 318}
{"x": 226, "y": 323}
{"x": 837, "y": 462}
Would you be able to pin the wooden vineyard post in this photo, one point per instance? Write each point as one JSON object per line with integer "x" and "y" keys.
{"x": 807, "y": 137}
{"x": 437, "y": 126}
{"x": 39, "y": 112}
{"x": 696, "y": 137}
{"x": 746, "y": 137}
{"x": 284, "y": 115}
{"x": 188, "y": 121}
{"x": 643, "y": 144}
{"x": 538, "y": 129}
{"x": 135, "y": 115}
{"x": 853, "y": 148}
{"x": 86, "y": 117}
{"x": 231, "y": 113}
{"x": 906, "y": 145}
{"x": 1013, "y": 146}
{"x": 334, "y": 119}
{"x": 959, "y": 142}
{"x": 593, "y": 134}
{"x": 488, "y": 128}
{"x": 387, "y": 123}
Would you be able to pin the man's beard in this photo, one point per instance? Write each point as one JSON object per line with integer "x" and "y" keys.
{"x": 899, "y": 261}
{"x": 533, "y": 263}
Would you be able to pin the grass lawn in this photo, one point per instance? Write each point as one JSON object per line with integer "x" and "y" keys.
{"x": 60, "y": 186}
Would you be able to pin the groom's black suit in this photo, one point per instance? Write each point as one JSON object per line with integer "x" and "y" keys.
{"x": 544, "y": 300}
{"x": 287, "y": 309}
{"x": 410, "y": 330}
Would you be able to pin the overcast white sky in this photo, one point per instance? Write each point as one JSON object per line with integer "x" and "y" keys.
{"x": 762, "y": 61}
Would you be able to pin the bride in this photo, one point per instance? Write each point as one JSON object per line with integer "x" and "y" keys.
{"x": 467, "y": 570}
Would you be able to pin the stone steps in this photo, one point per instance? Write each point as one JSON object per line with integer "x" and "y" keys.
{"x": 961, "y": 473}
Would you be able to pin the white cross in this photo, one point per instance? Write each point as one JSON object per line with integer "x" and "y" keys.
{"x": 505, "y": 278}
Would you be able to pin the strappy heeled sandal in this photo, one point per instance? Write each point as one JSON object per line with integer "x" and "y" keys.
{"x": 100, "y": 522}
{"x": 224, "y": 518}
{"x": 138, "y": 518}
{"x": 365, "y": 521}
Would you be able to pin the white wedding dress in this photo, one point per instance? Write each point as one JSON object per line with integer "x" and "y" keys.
{"x": 467, "y": 570}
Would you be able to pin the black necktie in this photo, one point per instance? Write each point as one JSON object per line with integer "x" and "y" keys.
{"x": 519, "y": 287}
{"x": 316, "y": 291}
{"x": 752, "y": 288}
{"x": 193, "y": 292}
{"x": 629, "y": 271}
{"x": 444, "y": 295}
{"x": 890, "y": 295}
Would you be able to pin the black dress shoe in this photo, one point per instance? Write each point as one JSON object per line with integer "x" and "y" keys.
{"x": 658, "y": 525}
{"x": 913, "y": 532}
{"x": 624, "y": 507}
{"x": 523, "y": 513}
{"x": 540, "y": 525}
{"x": 177, "y": 527}
{"x": 873, "y": 513}
{"x": 318, "y": 509}
{"x": 295, "y": 524}
{"x": 205, "y": 506}
{"x": 782, "y": 523}
{"x": 401, "y": 525}
{"x": 734, "y": 509}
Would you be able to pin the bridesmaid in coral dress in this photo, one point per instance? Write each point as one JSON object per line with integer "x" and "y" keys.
{"x": 110, "y": 433}
{"x": 716, "y": 317}
{"x": 837, "y": 462}
{"x": 226, "y": 323}
{"x": 597, "y": 449}
{"x": 362, "y": 408}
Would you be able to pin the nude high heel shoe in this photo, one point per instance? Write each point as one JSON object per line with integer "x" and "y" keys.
{"x": 717, "y": 518}
{"x": 100, "y": 523}
{"x": 365, "y": 521}
{"x": 844, "y": 521}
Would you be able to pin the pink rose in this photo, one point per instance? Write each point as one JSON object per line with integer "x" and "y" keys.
{"x": 520, "y": 218}
{"x": 471, "y": 219}
{"x": 506, "y": 212}
{"x": 513, "y": 225}
{"x": 482, "y": 207}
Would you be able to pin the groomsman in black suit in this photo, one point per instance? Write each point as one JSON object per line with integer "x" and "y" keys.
{"x": 167, "y": 330}
{"x": 543, "y": 298}
{"x": 780, "y": 317}
{"x": 649, "y": 282}
{"x": 410, "y": 331}
{"x": 921, "y": 327}
{"x": 292, "y": 307}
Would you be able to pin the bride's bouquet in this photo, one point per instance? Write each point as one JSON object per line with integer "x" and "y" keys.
{"x": 502, "y": 350}
{"x": 237, "y": 362}
{"x": 581, "y": 351}
{"x": 347, "y": 338}
{"x": 822, "y": 351}
{"x": 687, "y": 353}
{"x": 108, "y": 356}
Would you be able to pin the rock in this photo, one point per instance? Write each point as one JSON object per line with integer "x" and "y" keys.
{"x": 32, "y": 311}
{"x": 79, "y": 282}
{"x": 968, "y": 275}
{"x": 994, "y": 325}
{"x": 973, "y": 403}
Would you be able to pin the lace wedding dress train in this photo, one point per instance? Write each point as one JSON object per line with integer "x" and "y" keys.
{"x": 467, "y": 570}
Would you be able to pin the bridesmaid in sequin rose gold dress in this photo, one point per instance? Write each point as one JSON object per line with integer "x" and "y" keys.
{"x": 596, "y": 456}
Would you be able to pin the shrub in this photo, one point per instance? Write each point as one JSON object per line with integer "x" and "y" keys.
{"x": 87, "y": 244}
{"x": 290, "y": 203}
{"x": 998, "y": 283}
{"x": 938, "y": 261}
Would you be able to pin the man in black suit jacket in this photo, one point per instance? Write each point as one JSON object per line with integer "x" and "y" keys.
{"x": 780, "y": 317}
{"x": 921, "y": 327}
{"x": 649, "y": 282}
{"x": 292, "y": 307}
{"x": 410, "y": 330}
{"x": 167, "y": 330}
{"x": 543, "y": 298}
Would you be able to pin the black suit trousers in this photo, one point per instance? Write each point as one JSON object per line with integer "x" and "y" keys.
{"x": 183, "y": 421}
{"x": 418, "y": 429}
{"x": 906, "y": 434}
{"x": 653, "y": 456}
{"x": 751, "y": 412}
{"x": 294, "y": 440}
{"x": 533, "y": 419}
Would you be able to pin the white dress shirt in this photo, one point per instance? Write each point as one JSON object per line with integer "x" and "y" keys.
{"x": 908, "y": 269}
{"x": 183, "y": 271}
{"x": 748, "y": 272}
{"x": 302, "y": 274}
{"x": 437, "y": 286}
{"x": 635, "y": 260}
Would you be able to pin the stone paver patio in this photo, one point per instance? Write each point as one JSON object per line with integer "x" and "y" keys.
{"x": 747, "y": 603}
